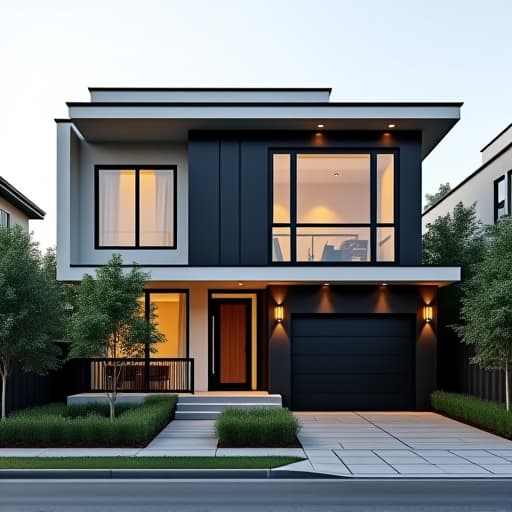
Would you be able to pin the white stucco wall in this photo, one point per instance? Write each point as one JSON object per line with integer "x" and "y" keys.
{"x": 17, "y": 217}
{"x": 479, "y": 189}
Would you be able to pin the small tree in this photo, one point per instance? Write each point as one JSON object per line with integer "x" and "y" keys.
{"x": 109, "y": 321}
{"x": 32, "y": 316}
{"x": 487, "y": 305}
{"x": 432, "y": 199}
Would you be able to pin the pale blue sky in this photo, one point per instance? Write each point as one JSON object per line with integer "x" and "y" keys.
{"x": 52, "y": 51}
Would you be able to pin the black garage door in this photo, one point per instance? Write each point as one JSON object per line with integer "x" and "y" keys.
{"x": 353, "y": 363}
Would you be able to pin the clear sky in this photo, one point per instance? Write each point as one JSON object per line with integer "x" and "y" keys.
{"x": 52, "y": 50}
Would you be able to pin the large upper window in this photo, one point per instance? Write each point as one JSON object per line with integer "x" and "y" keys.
{"x": 136, "y": 207}
{"x": 5, "y": 219}
{"x": 333, "y": 207}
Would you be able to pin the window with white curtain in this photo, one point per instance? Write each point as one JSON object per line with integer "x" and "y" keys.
{"x": 136, "y": 207}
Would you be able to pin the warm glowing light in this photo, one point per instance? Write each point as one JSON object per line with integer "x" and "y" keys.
{"x": 279, "y": 313}
{"x": 427, "y": 313}
{"x": 391, "y": 125}
{"x": 240, "y": 284}
{"x": 384, "y": 284}
{"x": 326, "y": 284}
{"x": 320, "y": 125}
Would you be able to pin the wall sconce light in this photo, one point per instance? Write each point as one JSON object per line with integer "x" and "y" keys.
{"x": 279, "y": 313}
{"x": 427, "y": 313}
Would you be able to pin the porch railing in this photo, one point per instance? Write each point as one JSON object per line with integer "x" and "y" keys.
{"x": 163, "y": 375}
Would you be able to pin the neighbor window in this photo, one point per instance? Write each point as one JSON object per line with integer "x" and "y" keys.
{"x": 136, "y": 207}
{"x": 5, "y": 219}
{"x": 322, "y": 207}
{"x": 500, "y": 194}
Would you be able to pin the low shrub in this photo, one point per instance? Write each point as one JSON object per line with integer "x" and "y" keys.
{"x": 482, "y": 413}
{"x": 87, "y": 425}
{"x": 257, "y": 427}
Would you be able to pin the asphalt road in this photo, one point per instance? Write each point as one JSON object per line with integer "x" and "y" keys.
{"x": 260, "y": 495}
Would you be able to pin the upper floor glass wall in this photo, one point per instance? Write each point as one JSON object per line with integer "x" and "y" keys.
{"x": 333, "y": 207}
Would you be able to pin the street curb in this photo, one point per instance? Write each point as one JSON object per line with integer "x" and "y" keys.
{"x": 125, "y": 474}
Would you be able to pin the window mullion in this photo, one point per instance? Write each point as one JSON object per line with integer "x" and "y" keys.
{"x": 137, "y": 207}
{"x": 293, "y": 206}
{"x": 373, "y": 206}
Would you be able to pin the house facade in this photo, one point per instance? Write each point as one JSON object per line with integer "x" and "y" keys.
{"x": 489, "y": 187}
{"x": 282, "y": 232}
{"x": 15, "y": 208}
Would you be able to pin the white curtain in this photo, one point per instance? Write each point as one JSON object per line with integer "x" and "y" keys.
{"x": 156, "y": 208}
{"x": 109, "y": 207}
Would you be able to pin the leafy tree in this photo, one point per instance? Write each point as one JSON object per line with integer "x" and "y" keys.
{"x": 32, "y": 316}
{"x": 457, "y": 238}
{"x": 68, "y": 289}
{"x": 487, "y": 305}
{"x": 432, "y": 199}
{"x": 109, "y": 321}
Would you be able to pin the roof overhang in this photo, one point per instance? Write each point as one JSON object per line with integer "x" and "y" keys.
{"x": 168, "y": 121}
{"x": 349, "y": 275}
{"x": 17, "y": 199}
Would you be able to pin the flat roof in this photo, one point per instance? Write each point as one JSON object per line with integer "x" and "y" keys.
{"x": 20, "y": 201}
{"x": 148, "y": 120}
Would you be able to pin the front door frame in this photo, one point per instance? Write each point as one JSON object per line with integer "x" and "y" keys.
{"x": 214, "y": 352}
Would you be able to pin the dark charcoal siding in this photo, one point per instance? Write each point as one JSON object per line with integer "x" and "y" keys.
{"x": 229, "y": 190}
{"x": 353, "y": 362}
{"x": 353, "y": 302}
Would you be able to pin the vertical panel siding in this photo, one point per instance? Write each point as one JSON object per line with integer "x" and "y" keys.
{"x": 204, "y": 194}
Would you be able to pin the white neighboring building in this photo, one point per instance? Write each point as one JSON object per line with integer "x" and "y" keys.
{"x": 490, "y": 186}
{"x": 15, "y": 208}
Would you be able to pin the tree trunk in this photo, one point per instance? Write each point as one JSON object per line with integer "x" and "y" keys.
{"x": 4, "y": 385}
{"x": 507, "y": 391}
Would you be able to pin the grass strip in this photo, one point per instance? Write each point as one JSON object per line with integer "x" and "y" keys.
{"x": 145, "y": 462}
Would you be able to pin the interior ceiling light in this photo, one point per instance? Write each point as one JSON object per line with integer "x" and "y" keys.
{"x": 240, "y": 284}
{"x": 320, "y": 125}
{"x": 336, "y": 173}
{"x": 391, "y": 125}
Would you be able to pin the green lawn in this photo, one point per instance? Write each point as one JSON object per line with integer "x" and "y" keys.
{"x": 145, "y": 462}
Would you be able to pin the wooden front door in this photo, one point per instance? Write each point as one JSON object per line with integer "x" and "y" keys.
{"x": 230, "y": 344}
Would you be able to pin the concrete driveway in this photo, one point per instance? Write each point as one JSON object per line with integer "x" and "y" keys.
{"x": 394, "y": 444}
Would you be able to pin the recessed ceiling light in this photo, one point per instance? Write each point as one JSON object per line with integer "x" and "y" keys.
{"x": 240, "y": 284}
{"x": 384, "y": 284}
{"x": 318, "y": 134}
{"x": 320, "y": 125}
{"x": 336, "y": 173}
{"x": 391, "y": 125}
{"x": 326, "y": 284}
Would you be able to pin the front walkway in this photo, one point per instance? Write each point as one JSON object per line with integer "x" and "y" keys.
{"x": 410, "y": 444}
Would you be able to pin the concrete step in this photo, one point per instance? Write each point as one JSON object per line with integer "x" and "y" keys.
{"x": 220, "y": 406}
{"x": 204, "y": 399}
{"x": 196, "y": 415}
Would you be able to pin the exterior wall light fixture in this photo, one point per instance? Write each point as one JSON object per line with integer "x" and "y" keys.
{"x": 427, "y": 313}
{"x": 279, "y": 313}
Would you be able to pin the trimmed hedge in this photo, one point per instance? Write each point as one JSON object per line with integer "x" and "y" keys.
{"x": 482, "y": 413}
{"x": 56, "y": 425}
{"x": 257, "y": 427}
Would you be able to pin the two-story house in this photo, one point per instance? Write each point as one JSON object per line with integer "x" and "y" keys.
{"x": 15, "y": 208}
{"x": 489, "y": 187}
{"x": 282, "y": 232}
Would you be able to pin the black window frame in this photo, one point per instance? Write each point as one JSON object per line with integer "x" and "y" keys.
{"x": 509, "y": 192}
{"x": 372, "y": 225}
{"x": 7, "y": 217}
{"x": 498, "y": 205}
{"x": 137, "y": 168}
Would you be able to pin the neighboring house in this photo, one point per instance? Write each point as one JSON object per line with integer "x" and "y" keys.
{"x": 490, "y": 186}
{"x": 282, "y": 232}
{"x": 15, "y": 208}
